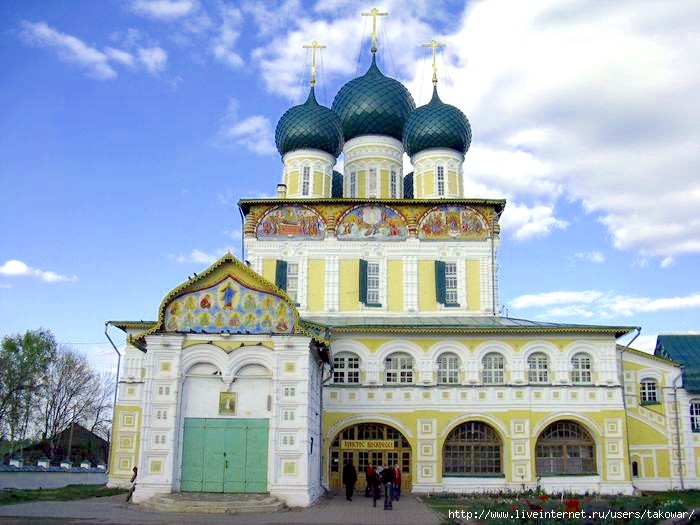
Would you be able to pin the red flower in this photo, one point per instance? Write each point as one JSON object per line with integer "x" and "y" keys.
{"x": 572, "y": 505}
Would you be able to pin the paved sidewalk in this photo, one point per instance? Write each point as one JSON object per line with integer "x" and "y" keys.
{"x": 114, "y": 511}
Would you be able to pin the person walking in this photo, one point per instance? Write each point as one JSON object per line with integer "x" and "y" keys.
{"x": 375, "y": 484}
{"x": 349, "y": 479}
{"x": 369, "y": 473}
{"x": 387, "y": 481}
{"x": 397, "y": 482}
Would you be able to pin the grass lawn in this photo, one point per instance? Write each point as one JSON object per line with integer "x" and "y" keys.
{"x": 10, "y": 496}
{"x": 540, "y": 508}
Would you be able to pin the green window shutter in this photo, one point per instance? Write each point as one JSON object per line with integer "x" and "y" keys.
{"x": 281, "y": 275}
{"x": 440, "y": 281}
{"x": 363, "y": 281}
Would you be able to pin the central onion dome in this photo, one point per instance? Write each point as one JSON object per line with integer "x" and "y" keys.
{"x": 373, "y": 104}
{"x": 437, "y": 125}
{"x": 309, "y": 126}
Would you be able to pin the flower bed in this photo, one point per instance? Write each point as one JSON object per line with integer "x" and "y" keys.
{"x": 542, "y": 509}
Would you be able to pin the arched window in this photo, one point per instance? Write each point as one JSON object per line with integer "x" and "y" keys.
{"x": 538, "y": 368}
{"x": 648, "y": 394}
{"x": 494, "y": 366}
{"x": 440, "y": 180}
{"x": 399, "y": 368}
{"x": 565, "y": 447}
{"x": 448, "y": 368}
{"x": 695, "y": 415}
{"x": 635, "y": 469}
{"x": 346, "y": 368}
{"x": 581, "y": 368}
{"x": 305, "y": 180}
{"x": 472, "y": 448}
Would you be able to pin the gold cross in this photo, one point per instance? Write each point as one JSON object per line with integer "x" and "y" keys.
{"x": 433, "y": 43}
{"x": 313, "y": 46}
{"x": 374, "y": 13}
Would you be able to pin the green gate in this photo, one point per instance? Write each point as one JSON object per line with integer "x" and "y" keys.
{"x": 224, "y": 455}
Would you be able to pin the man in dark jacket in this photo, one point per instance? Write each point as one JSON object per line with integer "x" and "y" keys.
{"x": 349, "y": 479}
{"x": 387, "y": 481}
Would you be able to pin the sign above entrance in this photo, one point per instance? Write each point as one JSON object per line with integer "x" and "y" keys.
{"x": 367, "y": 444}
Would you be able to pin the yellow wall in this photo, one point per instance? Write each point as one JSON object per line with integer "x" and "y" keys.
{"x": 426, "y": 286}
{"x": 316, "y": 273}
{"x": 292, "y": 182}
{"x": 269, "y": 268}
{"x": 118, "y": 453}
{"x": 349, "y": 278}
{"x": 395, "y": 286}
{"x": 473, "y": 285}
{"x": 317, "y": 183}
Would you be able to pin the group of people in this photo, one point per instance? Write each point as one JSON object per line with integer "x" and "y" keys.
{"x": 384, "y": 481}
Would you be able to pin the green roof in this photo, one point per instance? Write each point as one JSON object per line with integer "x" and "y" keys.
{"x": 486, "y": 324}
{"x": 373, "y": 104}
{"x": 436, "y": 125}
{"x": 683, "y": 349}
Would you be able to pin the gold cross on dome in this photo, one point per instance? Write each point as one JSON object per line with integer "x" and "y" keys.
{"x": 434, "y": 44}
{"x": 313, "y": 46}
{"x": 374, "y": 13}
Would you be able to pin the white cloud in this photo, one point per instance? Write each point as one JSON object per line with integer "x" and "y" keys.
{"x": 530, "y": 222}
{"x": 201, "y": 257}
{"x": 153, "y": 58}
{"x": 16, "y": 268}
{"x": 223, "y": 45}
{"x": 165, "y": 9}
{"x": 69, "y": 48}
{"x": 254, "y": 133}
{"x": 120, "y": 56}
{"x": 595, "y": 105}
{"x": 589, "y": 303}
{"x": 594, "y": 257}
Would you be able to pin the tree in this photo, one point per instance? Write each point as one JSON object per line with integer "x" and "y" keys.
{"x": 24, "y": 361}
{"x": 73, "y": 393}
{"x": 99, "y": 422}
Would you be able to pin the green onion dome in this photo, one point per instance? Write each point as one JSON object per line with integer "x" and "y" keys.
{"x": 309, "y": 126}
{"x": 373, "y": 104}
{"x": 437, "y": 125}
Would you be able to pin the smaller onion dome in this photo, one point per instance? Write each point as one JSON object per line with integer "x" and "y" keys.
{"x": 309, "y": 126}
{"x": 373, "y": 104}
{"x": 437, "y": 125}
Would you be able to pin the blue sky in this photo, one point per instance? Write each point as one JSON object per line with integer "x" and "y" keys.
{"x": 130, "y": 129}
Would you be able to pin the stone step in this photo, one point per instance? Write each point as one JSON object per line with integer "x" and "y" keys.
{"x": 215, "y": 503}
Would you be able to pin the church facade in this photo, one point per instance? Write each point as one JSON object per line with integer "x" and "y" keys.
{"x": 364, "y": 326}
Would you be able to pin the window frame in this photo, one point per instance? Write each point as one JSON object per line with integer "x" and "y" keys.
{"x": 441, "y": 281}
{"x": 485, "y": 452}
{"x": 489, "y": 374}
{"x": 370, "y": 277}
{"x": 694, "y": 409}
{"x": 647, "y": 394}
{"x": 448, "y": 368}
{"x": 538, "y": 375}
{"x": 348, "y": 375}
{"x": 581, "y": 374}
{"x": 393, "y": 184}
{"x": 574, "y": 454}
{"x": 305, "y": 181}
{"x": 440, "y": 180}
{"x": 401, "y": 371}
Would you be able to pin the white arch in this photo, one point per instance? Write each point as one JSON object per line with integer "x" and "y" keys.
{"x": 352, "y": 346}
{"x": 448, "y": 345}
{"x": 494, "y": 346}
{"x": 583, "y": 419}
{"x": 400, "y": 345}
{"x": 203, "y": 353}
{"x": 366, "y": 418}
{"x": 251, "y": 356}
{"x": 494, "y": 422}
{"x": 547, "y": 348}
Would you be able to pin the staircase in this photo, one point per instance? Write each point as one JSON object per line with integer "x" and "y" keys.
{"x": 205, "y": 503}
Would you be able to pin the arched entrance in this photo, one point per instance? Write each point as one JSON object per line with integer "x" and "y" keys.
{"x": 369, "y": 444}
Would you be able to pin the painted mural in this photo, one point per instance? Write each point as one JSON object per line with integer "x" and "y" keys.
{"x": 452, "y": 222}
{"x": 229, "y": 306}
{"x": 289, "y": 221}
{"x": 375, "y": 222}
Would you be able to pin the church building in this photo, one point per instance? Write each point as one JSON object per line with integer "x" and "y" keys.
{"x": 364, "y": 325}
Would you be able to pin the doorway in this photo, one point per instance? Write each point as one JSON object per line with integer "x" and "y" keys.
{"x": 224, "y": 455}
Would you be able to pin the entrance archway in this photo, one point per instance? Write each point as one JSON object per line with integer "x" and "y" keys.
{"x": 366, "y": 444}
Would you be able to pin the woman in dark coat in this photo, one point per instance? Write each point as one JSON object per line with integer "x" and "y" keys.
{"x": 349, "y": 479}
